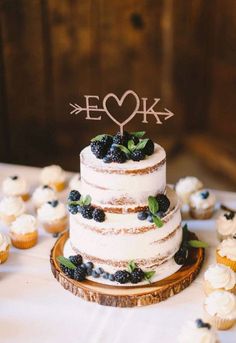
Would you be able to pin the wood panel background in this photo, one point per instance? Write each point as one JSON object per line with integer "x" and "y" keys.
{"x": 52, "y": 52}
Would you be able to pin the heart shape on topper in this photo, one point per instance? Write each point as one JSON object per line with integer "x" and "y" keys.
{"x": 120, "y": 102}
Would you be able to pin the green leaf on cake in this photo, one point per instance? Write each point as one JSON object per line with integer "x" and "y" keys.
{"x": 65, "y": 262}
{"x": 141, "y": 145}
{"x": 99, "y": 137}
{"x": 138, "y": 134}
{"x": 87, "y": 200}
{"x": 157, "y": 220}
{"x": 131, "y": 266}
{"x": 153, "y": 204}
{"x": 131, "y": 145}
{"x": 197, "y": 244}
{"x": 123, "y": 148}
{"x": 149, "y": 275}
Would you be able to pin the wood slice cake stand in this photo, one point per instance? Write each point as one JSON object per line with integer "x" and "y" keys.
{"x": 128, "y": 296}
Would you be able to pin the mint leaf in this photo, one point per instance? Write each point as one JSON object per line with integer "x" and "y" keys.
{"x": 77, "y": 202}
{"x": 149, "y": 275}
{"x": 131, "y": 145}
{"x": 123, "y": 148}
{"x": 157, "y": 220}
{"x": 153, "y": 204}
{"x": 87, "y": 200}
{"x": 197, "y": 244}
{"x": 141, "y": 145}
{"x": 138, "y": 134}
{"x": 131, "y": 266}
{"x": 65, "y": 262}
{"x": 99, "y": 137}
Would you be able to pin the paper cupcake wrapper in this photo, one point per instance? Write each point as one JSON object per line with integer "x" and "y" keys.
{"x": 56, "y": 226}
{"x": 209, "y": 289}
{"x": 57, "y": 186}
{"x": 4, "y": 255}
{"x": 7, "y": 219}
{"x": 220, "y": 323}
{"x": 201, "y": 213}
{"x": 226, "y": 261}
{"x": 24, "y": 241}
{"x": 25, "y": 197}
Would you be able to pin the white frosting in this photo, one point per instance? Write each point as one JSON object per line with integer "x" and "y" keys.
{"x": 197, "y": 201}
{"x": 226, "y": 227}
{"x": 227, "y": 248}
{"x": 75, "y": 182}
{"x": 24, "y": 224}
{"x": 4, "y": 242}
{"x": 186, "y": 186}
{"x": 221, "y": 304}
{"x": 52, "y": 174}
{"x": 47, "y": 212}
{"x": 12, "y": 206}
{"x": 42, "y": 195}
{"x": 14, "y": 187}
{"x": 220, "y": 276}
{"x": 192, "y": 334}
{"x": 109, "y": 184}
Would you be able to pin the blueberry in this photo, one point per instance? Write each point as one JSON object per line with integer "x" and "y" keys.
{"x": 150, "y": 218}
{"x": 99, "y": 270}
{"x": 89, "y": 265}
{"x": 107, "y": 158}
{"x": 95, "y": 274}
{"x": 55, "y": 234}
{"x": 230, "y": 215}
{"x": 199, "y": 323}
{"x": 83, "y": 265}
{"x": 15, "y": 177}
{"x": 74, "y": 195}
{"x": 205, "y": 195}
{"x": 106, "y": 276}
{"x": 89, "y": 271}
{"x": 53, "y": 203}
{"x": 73, "y": 209}
{"x": 46, "y": 187}
{"x": 111, "y": 277}
{"x": 142, "y": 215}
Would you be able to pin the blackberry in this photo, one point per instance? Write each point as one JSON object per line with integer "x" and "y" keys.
{"x": 83, "y": 265}
{"x": 99, "y": 149}
{"x": 87, "y": 212}
{"x": 107, "y": 158}
{"x": 107, "y": 141}
{"x": 73, "y": 209}
{"x": 121, "y": 139}
{"x": 205, "y": 194}
{"x": 89, "y": 265}
{"x": 122, "y": 276}
{"x": 163, "y": 202}
{"x": 53, "y": 203}
{"x": 142, "y": 215}
{"x": 76, "y": 260}
{"x": 67, "y": 271}
{"x": 149, "y": 148}
{"x": 118, "y": 156}
{"x": 98, "y": 215}
{"x": 137, "y": 275}
{"x": 180, "y": 257}
{"x": 137, "y": 155}
{"x": 135, "y": 139}
{"x": 160, "y": 214}
{"x": 74, "y": 195}
{"x": 79, "y": 274}
{"x": 229, "y": 216}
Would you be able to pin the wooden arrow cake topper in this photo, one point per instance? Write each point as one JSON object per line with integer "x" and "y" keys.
{"x": 140, "y": 107}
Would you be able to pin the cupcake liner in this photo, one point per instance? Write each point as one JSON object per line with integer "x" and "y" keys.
{"x": 4, "y": 255}
{"x": 56, "y": 226}
{"x": 201, "y": 213}
{"x": 24, "y": 241}
{"x": 7, "y": 219}
{"x": 226, "y": 261}
{"x": 220, "y": 323}
{"x": 209, "y": 289}
{"x": 25, "y": 197}
{"x": 58, "y": 186}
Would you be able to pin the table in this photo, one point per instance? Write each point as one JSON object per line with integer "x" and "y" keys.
{"x": 35, "y": 308}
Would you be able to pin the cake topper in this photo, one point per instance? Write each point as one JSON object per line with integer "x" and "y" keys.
{"x": 140, "y": 107}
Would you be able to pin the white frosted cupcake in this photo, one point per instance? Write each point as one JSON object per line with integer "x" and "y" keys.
{"x": 53, "y": 216}
{"x": 226, "y": 253}
{"x": 15, "y": 186}
{"x": 197, "y": 332}
{"x": 202, "y": 204}
{"x": 53, "y": 176}
{"x": 11, "y": 208}
{"x": 220, "y": 309}
{"x": 226, "y": 225}
{"x": 4, "y": 247}
{"x": 75, "y": 182}
{"x": 219, "y": 277}
{"x": 186, "y": 186}
{"x": 43, "y": 194}
{"x": 23, "y": 232}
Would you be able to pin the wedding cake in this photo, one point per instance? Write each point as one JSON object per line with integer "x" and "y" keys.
{"x": 124, "y": 214}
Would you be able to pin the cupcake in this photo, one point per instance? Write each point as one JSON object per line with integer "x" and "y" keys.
{"x": 220, "y": 309}
{"x": 11, "y": 208}
{"x": 23, "y": 232}
{"x": 15, "y": 186}
{"x": 197, "y": 332}
{"x": 186, "y": 186}
{"x": 219, "y": 277}
{"x": 202, "y": 204}
{"x": 226, "y": 253}
{"x": 4, "y": 247}
{"x": 53, "y": 216}
{"x": 226, "y": 225}
{"x": 53, "y": 176}
{"x": 43, "y": 194}
{"x": 75, "y": 182}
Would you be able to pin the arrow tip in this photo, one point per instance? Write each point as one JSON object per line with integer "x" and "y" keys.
{"x": 169, "y": 115}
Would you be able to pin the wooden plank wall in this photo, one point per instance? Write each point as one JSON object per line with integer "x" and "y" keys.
{"x": 53, "y": 51}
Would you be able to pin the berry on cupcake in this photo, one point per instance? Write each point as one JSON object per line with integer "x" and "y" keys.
{"x": 53, "y": 176}
{"x": 4, "y": 247}
{"x": 11, "y": 208}
{"x": 53, "y": 216}
{"x": 15, "y": 185}
{"x": 197, "y": 331}
{"x": 43, "y": 194}
{"x": 226, "y": 225}
{"x": 202, "y": 204}
{"x": 23, "y": 232}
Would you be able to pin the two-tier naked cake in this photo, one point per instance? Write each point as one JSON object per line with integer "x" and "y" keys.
{"x": 125, "y": 221}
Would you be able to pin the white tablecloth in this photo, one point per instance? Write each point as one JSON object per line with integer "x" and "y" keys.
{"x": 35, "y": 308}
